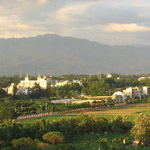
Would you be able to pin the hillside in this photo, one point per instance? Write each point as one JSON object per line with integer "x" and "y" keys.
{"x": 54, "y": 55}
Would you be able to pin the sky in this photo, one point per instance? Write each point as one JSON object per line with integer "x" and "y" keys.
{"x": 112, "y": 22}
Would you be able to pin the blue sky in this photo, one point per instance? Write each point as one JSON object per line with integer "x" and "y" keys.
{"x": 113, "y": 22}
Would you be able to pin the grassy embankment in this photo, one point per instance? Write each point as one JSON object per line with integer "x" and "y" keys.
{"x": 129, "y": 110}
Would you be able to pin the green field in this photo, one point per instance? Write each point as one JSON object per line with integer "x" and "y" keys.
{"x": 129, "y": 110}
{"x": 89, "y": 142}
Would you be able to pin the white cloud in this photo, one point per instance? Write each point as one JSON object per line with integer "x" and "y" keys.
{"x": 42, "y": 1}
{"x": 14, "y": 23}
{"x": 115, "y": 27}
{"x": 141, "y": 3}
{"x": 71, "y": 13}
{"x": 99, "y": 20}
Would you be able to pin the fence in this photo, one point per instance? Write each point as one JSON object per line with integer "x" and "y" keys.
{"x": 37, "y": 115}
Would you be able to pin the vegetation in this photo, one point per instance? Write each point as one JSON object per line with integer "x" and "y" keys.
{"x": 53, "y": 132}
{"x": 141, "y": 129}
{"x": 101, "y": 130}
{"x": 53, "y": 137}
{"x": 25, "y": 143}
{"x": 104, "y": 127}
{"x": 92, "y": 85}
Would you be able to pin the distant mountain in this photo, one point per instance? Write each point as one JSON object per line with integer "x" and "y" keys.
{"x": 52, "y": 54}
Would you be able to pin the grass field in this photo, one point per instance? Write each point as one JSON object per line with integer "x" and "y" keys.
{"x": 89, "y": 142}
{"x": 129, "y": 110}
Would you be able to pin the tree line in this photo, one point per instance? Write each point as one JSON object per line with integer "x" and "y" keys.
{"x": 92, "y": 85}
{"x": 39, "y": 134}
{"x": 15, "y": 135}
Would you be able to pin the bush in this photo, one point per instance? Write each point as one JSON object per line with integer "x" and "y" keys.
{"x": 53, "y": 137}
{"x": 120, "y": 125}
{"x": 25, "y": 143}
{"x": 103, "y": 144}
{"x": 2, "y": 144}
{"x": 7, "y": 148}
{"x": 66, "y": 147}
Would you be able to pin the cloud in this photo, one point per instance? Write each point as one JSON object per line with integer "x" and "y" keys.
{"x": 72, "y": 13}
{"x": 33, "y": 1}
{"x": 42, "y": 1}
{"x": 7, "y": 24}
{"x": 114, "y": 27}
{"x": 141, "y": 3}
{"x": 97, "y": 20}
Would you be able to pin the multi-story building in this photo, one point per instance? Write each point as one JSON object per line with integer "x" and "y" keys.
{"x": 133, "y": 92}
{"x": 27, "y": 83}
{"x": 24, "y": 85}
{"x": 146, "y": 90}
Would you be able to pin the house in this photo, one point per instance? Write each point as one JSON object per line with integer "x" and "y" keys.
{"x": 59, "y": 83}
{"x": 141, "y": 78}
{"x": 119, "y": 96}
{"x": 108, "y": 76}
{"x": 77, "y": 81}
{"x": 133, "y": 92}
{"x": 9, "y": 89}
{"x": 146, "y": 91}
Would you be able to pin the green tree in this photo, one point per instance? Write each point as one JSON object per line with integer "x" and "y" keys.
{"x": 141, "y": 129}
{"x": 25, "y": 143}
{"x": 36, "y": 91}
{"x": 103, "y": 144}
{"x": 6, "y": 114}
{"x": 53, "y": 137}
{"x": 120, "y": 125}
{"x": 2, "y": 93}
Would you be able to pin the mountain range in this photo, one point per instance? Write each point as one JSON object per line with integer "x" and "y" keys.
{"x": 52, "y": 54}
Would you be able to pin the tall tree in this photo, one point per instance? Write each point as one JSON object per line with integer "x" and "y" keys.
{"x": 141, "y": 129}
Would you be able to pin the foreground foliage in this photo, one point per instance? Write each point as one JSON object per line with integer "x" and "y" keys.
{"x": 141, "y": 129}
{"x": 56, "y": 132}
{"x": 25, "y": 143}
{"x": 53, "y": 137}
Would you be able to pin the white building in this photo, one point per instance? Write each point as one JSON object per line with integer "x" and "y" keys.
{"x": 27, "y": 83}
{"x": 9, "y": 89}
{"x": 108, "y": 76}
{"x": 24, "y": 85}
{"x": 59, "y": 83}
{"x": 77, "y": 81}
{"x": 141, "y": 78}
{"x": 23, "y": 90}
{"x": 133, "y": 92}
{"x": 119, "y": 96}
{"x": 146, "y": 91}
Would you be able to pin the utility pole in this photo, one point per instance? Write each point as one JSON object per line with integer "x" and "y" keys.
{"x": 46, "y": 107}
{"x": 21, "y": 108}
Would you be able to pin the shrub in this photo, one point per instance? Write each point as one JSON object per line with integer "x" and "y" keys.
{"x": 25, "y": 143}
{"x": 53, "y": 137}
{"x": 103, "y": 144}
{"x": 120, "y": 125}
{"x": 66, "y": 147}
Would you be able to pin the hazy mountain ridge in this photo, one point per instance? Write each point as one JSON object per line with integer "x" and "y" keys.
{"x": 53, "y": 54}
